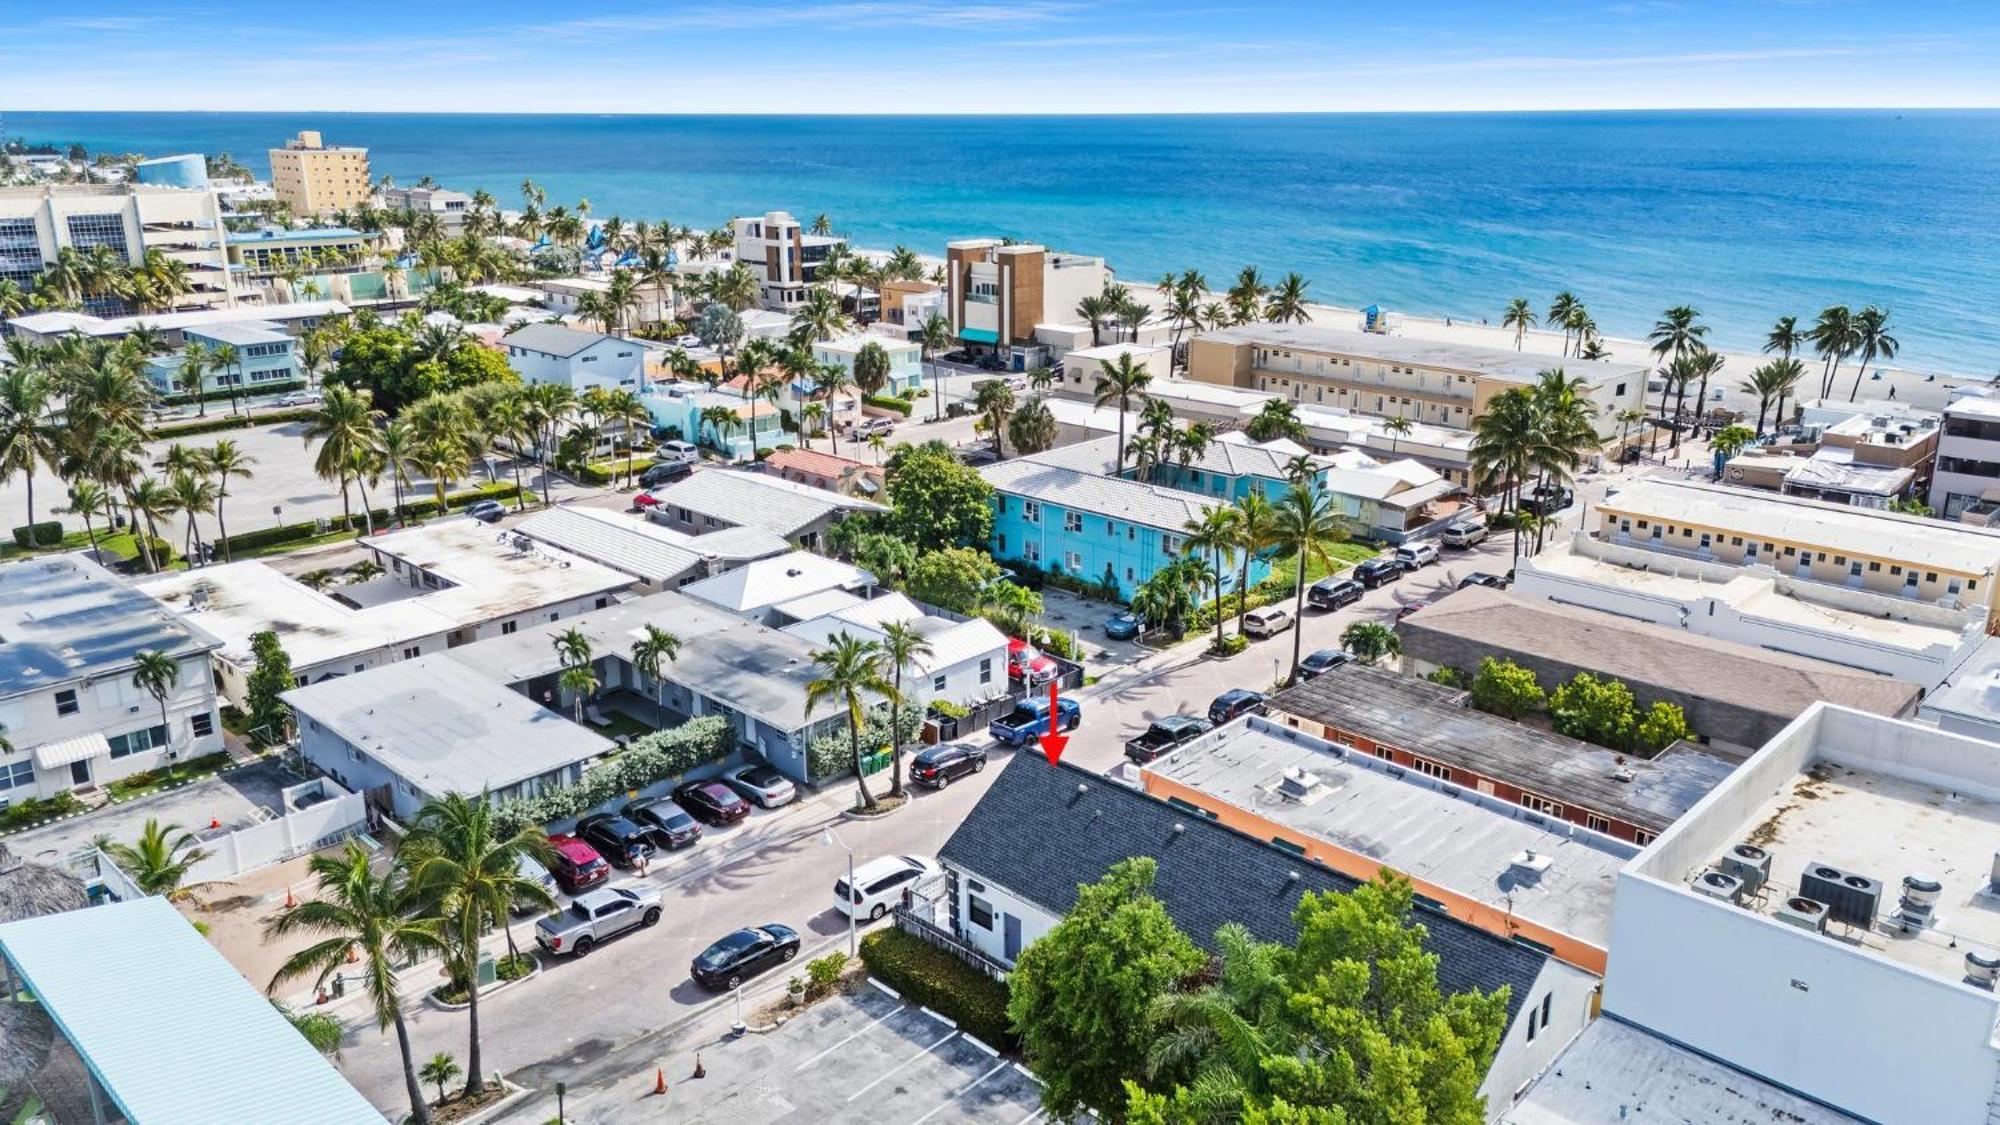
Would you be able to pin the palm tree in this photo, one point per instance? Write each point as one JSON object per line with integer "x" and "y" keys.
{"x": 849, "y": 670}
{"x": 88, "y": 499}
{"x": 230, "y": 362}
{"x": 441, "y": 1069}
{"x": 193, "y": 374}
{"x": 1120, "y": 383}
{"x": 374, "y": 916}
{"x": 1370, "y": 641}
{"x": 901, "y": 649}
{"x": 1627, "y": 418}
{"x": 345, "y": 424}
{"x": 1504, "y": 438}
{"x": 721, "y": 419}
{"x": 1217, "y": 532}
{"x": 1246, "y": 298}
{"x": 623, "y": 408}
{"x": 820, "y": 317}
{"x": 572, "y": 647}
{"x": 1559, "y": 314}
{"x": 1288, "y": 304}
{"x": 1833, "y": 340}
{"x": 28, "y": 438}
{"x": 157, "y": 674}
{"x": 579, "y": 682}
{"x": 1397, "y": 428}
{"x": 147, "y": 499}
{"x": 160, "y": 860}
{"x": 1306, "y": 523}
{"x": 994, "y": 401}
{"x": 822, "y": 224}
{"x": 735, "y": 288}
{"x": 1872, "y": 340}
{"x": 546, "y": 406}
{"x": 468, "y": 875}
{"x": 1784, "y": 337}
{"x": 648, "y": 651}
{"x": 1520, "y": 318}
{"x": 1706, "y": 363}
{"x": 1094, "y": 310}
{"x": 194, "y": 497}
{"x": 1212, "y": 1043}
{"x": 1277, "y": 418}
{"x": 223, "y": 460}
{"x": 1256, "y": 531}
{"x": 1032, "y": 429}
{"x": 934, "y": 339}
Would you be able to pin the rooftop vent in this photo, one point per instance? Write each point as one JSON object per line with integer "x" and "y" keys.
{"x": 1623, "y": 773}
{"x": 1529, "y": 862}
{"x": 1803, "y": 913}
{"x": 1302, "y": 785}
{"x": 1718, "y": 884}
{"x": 1981, "y": 969}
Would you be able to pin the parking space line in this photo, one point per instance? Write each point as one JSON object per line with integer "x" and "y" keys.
{"x": 945, "y": 1020}
{"x": 885, "y": 988}
{"x": 961, "y": 1092}
{"x": 913, "y": 1058}
{"x": 900, "y": 1008}
{"x": 1024, "y": 1121}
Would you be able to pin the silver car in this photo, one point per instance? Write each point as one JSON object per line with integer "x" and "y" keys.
{"x": 596, "y": 915}
{"x": 761, "y": 785}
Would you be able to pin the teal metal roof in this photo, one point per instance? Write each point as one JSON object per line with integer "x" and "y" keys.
{"x": 171, "y": 1030}
{"x": 979, "y": 335}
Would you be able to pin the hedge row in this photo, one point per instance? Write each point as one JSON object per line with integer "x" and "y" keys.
{"x": 226, "y": 422}
{"x": 929, "y": 977}
{"x": 48, "y": 533}
{"x": 884, "y": 402}
{"x": 294, "y": 532}
{"x": 611, "y": 470}
{"x": 224, "y": 396}
{"x": 649, "y": 758}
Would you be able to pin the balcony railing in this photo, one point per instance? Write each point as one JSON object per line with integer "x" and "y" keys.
{"x": 910, "y": 922}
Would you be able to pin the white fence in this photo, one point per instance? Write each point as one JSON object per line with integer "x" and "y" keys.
{"x": 339, "y": 815}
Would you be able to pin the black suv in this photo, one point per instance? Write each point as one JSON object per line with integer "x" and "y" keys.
{"x": 1164, "y": 735}
{"x": 666, "y": 472}
{"x": 1235, "y": 702}
{"x": 1332, "y": 593}
{"x": 615, "y": 838}
{"x": 1378, "y": 572}
{"x": 942, "y": 763}
{"x": 668, "y": 824}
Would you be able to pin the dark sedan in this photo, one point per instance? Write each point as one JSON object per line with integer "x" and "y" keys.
{"x": 1321, "y": 661}
{"x": 744, "y": 954}
{"x": 712, "y": 802}
{"x": 615, "y": 838}
{"x": 668, "y": 824}
{"x": 1235, "y": 702}
{"x": 1378, "y": 572}
{"x": 945, "y": 762}
{"x": 1123, "y": 626}
{"x": 1481, "y": 578}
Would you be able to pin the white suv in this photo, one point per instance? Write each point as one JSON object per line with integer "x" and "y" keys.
{"x": 1414, "y": 555}
{"x": 879, "y": 885}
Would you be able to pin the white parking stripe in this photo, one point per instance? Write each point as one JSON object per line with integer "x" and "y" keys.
{"x": 913, "y": 1058}
{"x": 997, "y": 1068}
{"x": 1030, "y": 1117}
{"x": 850, "y": 1038}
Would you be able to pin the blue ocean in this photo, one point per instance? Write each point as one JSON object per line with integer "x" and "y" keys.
{"x": 1746, "y": 215}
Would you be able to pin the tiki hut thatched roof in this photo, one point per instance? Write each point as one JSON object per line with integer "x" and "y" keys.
{"x": 30, "y": 890}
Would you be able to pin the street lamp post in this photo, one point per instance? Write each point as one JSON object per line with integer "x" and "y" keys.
{"x": 829, "y": 839}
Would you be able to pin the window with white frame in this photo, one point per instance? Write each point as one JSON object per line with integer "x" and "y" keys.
{"x": 1072, "y": 521}
{"x": 1031, "y": 511}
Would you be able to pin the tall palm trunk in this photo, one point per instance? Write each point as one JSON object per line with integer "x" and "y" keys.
{"x": 367, "y": 511}
{"x": 420, "y": 1110}
{"x": 1298, "y": 614}
{"x": 1653, "y": 443}
{"x": 90, "y": 529}
{"x": 1215, "y": 563}
{"x": 854, "y": 743}
{"x": 346, "y": 511}
{"x": 221, "y": 528}
{"x": 1242, "y": 591}
{"x": 1680, "y": 403}
{"x": 1763, "y": 407}
{"x": 475, "y": 1081}
{"x": 896, "y": 738}
{"x": 520, "y": 495}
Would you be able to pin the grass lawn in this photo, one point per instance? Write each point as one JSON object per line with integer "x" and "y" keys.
{"x": 1342, "y": 556}
{"x": 621, "y": 725}
{"x": 336, "y": 536}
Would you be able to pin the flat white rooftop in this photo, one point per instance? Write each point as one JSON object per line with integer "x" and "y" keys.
{"x": 1842, "y": 528}
{"x": 1497, "y": 363}
{"x": 481, "y": 576}
{"x": 1431, "y": 830}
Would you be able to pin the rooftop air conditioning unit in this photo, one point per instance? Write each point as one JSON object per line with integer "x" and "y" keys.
{"x": 1981, "y": 969}
{"x": 1850, "y": 898}
{"x": 1749, "y": 863}
{"x": 1718, "y": 884}
{"x": 1920, "y": 896}
{"x": 1302, "y": 785}
{"x": 1803, "y": 913}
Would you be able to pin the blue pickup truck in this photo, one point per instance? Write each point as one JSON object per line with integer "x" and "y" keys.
{"x": 1029, "y": 720}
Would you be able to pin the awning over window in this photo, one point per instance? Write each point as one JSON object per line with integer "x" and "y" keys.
{"x": 979, "y": 335}
{"x": 49, "y": 755}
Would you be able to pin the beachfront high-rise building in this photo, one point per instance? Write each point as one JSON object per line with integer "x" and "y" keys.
{"x": 997, "y": 294}
{"x": 130, "y": 219}
{"x": 1397, "y": 377}
{"x": 784, "y": 255}
{"x": 316, "y": 179}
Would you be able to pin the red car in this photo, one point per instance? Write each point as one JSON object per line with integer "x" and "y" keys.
{"x": 712, "y": 801}
{"x": 1028, "y": 664}
{"x": 577, "y": 865}
{"x": 644, "y": 500}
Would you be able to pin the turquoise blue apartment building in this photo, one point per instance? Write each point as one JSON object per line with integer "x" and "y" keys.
{"x": 266, "y": 360}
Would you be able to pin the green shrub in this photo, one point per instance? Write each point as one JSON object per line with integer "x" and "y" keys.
{"x": 515, "y": 967}
{"x": 215, "y": 425}
{"x": 225, "y": 396}
{"x": 416, "y": 509}
{"x": 832, "y": 755}
{"x": 30, "y": 810}
{"x": 930, "y": 977}
{"x": 1230, "y": 645}
{"x": 949, "y": 709}
{"x": 48, "y": 533}
{"x": 823, "y": 972}
{"x": 885, "y": 402}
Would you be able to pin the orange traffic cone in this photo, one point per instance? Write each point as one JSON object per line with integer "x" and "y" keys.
{"x": 353, "y": 956}
{"x": 215, "y": 822}
{"x": 660, "y": 1080}
{"x": 700, "y": 1071}
{"x": 289, "y": 900}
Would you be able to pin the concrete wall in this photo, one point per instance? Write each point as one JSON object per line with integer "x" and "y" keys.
{"x": 277, "y": 840}
{"x": 1530, "y": 1044}
{"x": 993, "y": 942}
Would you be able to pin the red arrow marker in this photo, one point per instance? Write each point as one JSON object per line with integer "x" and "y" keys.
{"x": 1053, "y": 743}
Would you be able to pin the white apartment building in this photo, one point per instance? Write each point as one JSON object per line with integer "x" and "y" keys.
{"x": 579, "y": 360}
{"x": 1824, "y": 921}
{"x": 997, "y": 295}
{"x": 448, "y": 583}
{"x": 1967, "y": 475}
{"x": 184, "y": 224}
{"x": 451, "y": 207}
{"x": 783, "y": 254}
{"x": 70, "y": 637}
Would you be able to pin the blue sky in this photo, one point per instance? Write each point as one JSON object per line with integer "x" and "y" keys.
{"x": 985, "y": 56}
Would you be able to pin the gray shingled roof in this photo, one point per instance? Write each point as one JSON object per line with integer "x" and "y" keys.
{"x": 552, "y": 339}
{"x": 1150, "y": 504}
{"x": 1035, "y": 834}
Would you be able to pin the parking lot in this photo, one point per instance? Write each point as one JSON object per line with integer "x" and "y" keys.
{"x": 863, "y": 1057}
{"x": 229, "y": 800}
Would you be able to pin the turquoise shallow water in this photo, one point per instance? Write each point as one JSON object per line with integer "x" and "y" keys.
{"x": 1746, "y": 215}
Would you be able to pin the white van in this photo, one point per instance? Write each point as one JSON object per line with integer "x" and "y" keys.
{"x": 680, "y": 452}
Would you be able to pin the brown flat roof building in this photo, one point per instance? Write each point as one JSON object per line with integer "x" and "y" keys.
{"x": 1432, "y": 729}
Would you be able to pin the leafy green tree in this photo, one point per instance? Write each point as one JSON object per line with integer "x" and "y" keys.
{"x": 1370, "y": 641}
{"x": 270, "y": 677}
{"x": 1661, "y": 726}
{"x": 1032, "y": 429}
{"x": 850, "y": 672}
{"x": 160, "y": 859}
{"x": 936, "y": 499}
{"x": 883, "y": 555}
{"x": 955, "y": 578}
{"x": 1594, "y": 710}
{"x": 1082, "y": 994}
{"x": 1504, "y": 688}
{"x": 441, "y": 1069}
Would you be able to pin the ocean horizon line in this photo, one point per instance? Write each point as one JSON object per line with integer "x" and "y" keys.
{"x": 1109, "y": 115}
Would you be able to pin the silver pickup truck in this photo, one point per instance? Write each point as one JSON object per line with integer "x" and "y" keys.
{"x": 596, "y": 915}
